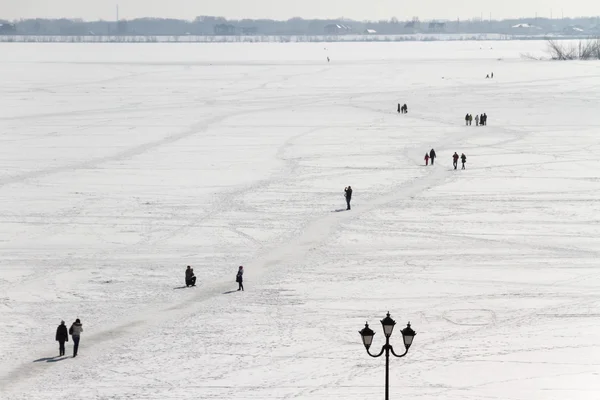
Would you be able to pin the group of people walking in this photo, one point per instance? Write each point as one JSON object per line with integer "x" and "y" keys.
{"x": 62, "y": 336}
{"x": 402, "y": 109}
{"x": 431, "y": 156}
{"x": 463, "y": 159}
{"x": 479, "y": 119}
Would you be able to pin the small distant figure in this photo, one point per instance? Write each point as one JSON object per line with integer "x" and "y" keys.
{"x": 404, "y": 109}
{"x": 467, "y": 119}
{"x": 470, "y": 119}
{"x": 483, "y": 119}
{"x": 399, "y": 108}
{"x": 239, "y": 278}
{"x": 477, "y": 120}
{"x": 487, "y": 76}
{"x": 455, "y": 160}
{"x": 328, "y": 59}
{"x": 62, "y": 336}
{"x": 190, "y": 278}
{"x": 75, "y": 331}
{"x": 463, "y": 158}
{"x": 432, "y": 156}
{"x": 426, "y": 159}
{"x": 492, "y": 75}
{"x": 348, "y": 195}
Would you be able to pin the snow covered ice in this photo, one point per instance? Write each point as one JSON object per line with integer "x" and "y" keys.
{"x": 122, "y": 164}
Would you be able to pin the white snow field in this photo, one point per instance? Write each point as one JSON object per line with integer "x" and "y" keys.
{"x": 122, "y": 164}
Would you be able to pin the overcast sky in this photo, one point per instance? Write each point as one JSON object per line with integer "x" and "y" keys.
{"x": 283, "y": 9}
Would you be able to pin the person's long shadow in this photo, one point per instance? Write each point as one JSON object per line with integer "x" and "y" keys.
{"x": 50, "y": 359}
{"x": 180, "y": 287}
{"x": 231, "y": 291}
{"x": 340, "y": 210}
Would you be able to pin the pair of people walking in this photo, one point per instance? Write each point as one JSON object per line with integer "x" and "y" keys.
{"x": 62, "y": 336}
{"x": 402, "y": 109}
{"x": 455, "y": 158}
{"x": 430, "y": 156}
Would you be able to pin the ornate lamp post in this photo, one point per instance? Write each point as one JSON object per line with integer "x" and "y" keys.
{"x": 388, "y": 326}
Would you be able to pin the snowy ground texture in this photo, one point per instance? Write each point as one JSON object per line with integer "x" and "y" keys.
{"x": 122, "y": 164}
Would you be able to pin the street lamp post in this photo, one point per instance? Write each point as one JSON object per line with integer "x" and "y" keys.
{"x": 388, "y": 326}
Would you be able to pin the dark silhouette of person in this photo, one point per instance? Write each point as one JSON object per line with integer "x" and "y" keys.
{"x": 399, "y": 108}
{"x": 348, "y": 194}
{"x": 463, "y": 158}
{"x": 62, "y": 336}
{"x": 455, "y": 160}
{"x": 432, "y": 156}
{"x": 190, "y": 278}
{"x": 467, "y": 119}
{"x": 405, "y": 109}
{"x": 239, "y": 278}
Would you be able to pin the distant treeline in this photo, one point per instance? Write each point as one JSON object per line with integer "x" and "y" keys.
{"x": 206, "y": 25}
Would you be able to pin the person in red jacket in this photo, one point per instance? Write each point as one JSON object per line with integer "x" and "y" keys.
{"x": 455, "y": 158}
{"x": 426, "y": 159}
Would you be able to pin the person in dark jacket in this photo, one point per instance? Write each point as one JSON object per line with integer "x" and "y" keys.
{"x": 455, "y": 160}
{"x": 75, "y": 331}
{"x": 467, "y": 119}
{"x": 62, "y": 336}
{"x": 432, "y": 156}
{"x": 239, "y": 278}
{"x": 463, "y": 158}
{"x": 405, "y": 109}
{"x": 348, "y": 194}
{"x": 190, "y": 279}
{"x": 484, "y": 119}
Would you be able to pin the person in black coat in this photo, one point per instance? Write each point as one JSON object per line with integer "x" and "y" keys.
{"x": 432, "y": 156}
{"x": 239, "y": 278}
{"x": 348, "y": 194}
{"x": 190, "y": 279}
{"x": 62, "y": 336}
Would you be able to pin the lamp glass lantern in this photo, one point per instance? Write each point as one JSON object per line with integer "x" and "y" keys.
{"x": 388, "y": 325}
{"x": 367, "y": 335}
{"x": 408, "y": 334}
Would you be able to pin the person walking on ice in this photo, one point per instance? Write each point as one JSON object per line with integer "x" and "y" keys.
{"x": 455, "y": 160}
{"x": 426, "y": 159}
{"x": 477, "y": 120}
{"x": 467, "y": 119}
{"x": 348, "y": 195}
{"x": 432, "y": 156}
{"x": 75, "y": 331}
{"x": 239, "y": 278}
{"x": 62, "y": 336}
{"x": 463, "y": 158}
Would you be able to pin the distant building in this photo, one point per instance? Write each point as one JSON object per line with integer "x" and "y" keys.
{"x": 573, "y": 30}
{"x": 437, "y": 26}
{"x": 526, "y": 28}
{"x": 224, "y": 29}
{"x": 337, "y": 29}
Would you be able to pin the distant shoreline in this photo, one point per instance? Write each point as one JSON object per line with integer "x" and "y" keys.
{"x": 278, "y": 39}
